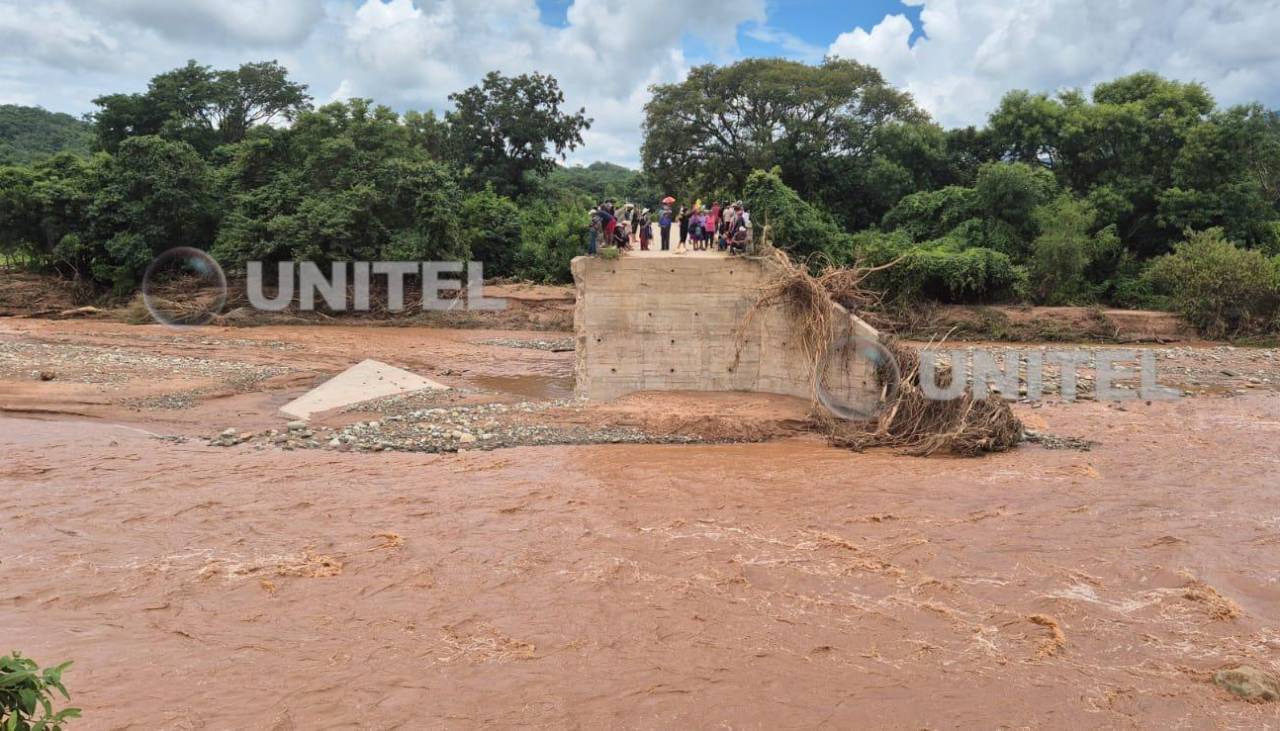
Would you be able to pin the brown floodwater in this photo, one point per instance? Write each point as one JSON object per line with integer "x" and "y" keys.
{"x": 781, "y": 584}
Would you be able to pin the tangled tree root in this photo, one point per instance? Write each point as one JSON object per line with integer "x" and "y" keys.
{"x": 921, "y": 426}
{"x": 811, "y": 302}
{"x": 909, "y": 421}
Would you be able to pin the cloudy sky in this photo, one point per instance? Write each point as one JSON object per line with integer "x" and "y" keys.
{"x": 956, "y": 56}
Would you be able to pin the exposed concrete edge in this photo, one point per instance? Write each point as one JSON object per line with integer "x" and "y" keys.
{"x": 861, "y": 328}
{"x": 634, "y": 327}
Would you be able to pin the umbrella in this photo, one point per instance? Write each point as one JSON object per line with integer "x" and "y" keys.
{"x": 668, "y": 200}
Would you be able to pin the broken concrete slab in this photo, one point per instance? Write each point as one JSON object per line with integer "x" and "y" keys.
{"x": 368, "y": 379}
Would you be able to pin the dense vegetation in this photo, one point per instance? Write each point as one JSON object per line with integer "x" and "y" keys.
{"x": 1110, "y": 198}
{"x": 203, "y": 158}
{"x": 1067, "y": 199}
{"x": 28, "y": 134}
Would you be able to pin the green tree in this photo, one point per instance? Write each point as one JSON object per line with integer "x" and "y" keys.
{"x": 1028, "y": 127}
{"x": 1060, "y": 253}
{"x": 605, "y": 180}
{"x": 420, "y": 205}
{"x": 254, "y": 94}
{"x": 19, "y": 216}
{"x": 905, "y": 157}
{"x": 1118, "y": 147}
{"x": 201, "y": 106}
{"x": 507, "y": 127}
{"x": 156, "y": 195}
{"x": 1227, "y": 175}
{"x": 793, "y": 224}
{"x": 817, "y": 124}
{"x": 428, "y": 133}
{"x": 1006, "y": 196}
{"x": 491, "y": 228}
{"x": 46, "y": 210}
{"x": 968, "y": 148}
{"x": 350, "y": 180}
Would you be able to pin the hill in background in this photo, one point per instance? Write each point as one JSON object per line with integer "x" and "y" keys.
{"x": 31, "y": 133}
{"x": 603, "y": 180}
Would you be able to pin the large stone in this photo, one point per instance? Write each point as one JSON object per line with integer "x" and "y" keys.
{"x": 680, "y": 323}
{"x": 368, "y": 379}
{"x": 1249, "y": 683}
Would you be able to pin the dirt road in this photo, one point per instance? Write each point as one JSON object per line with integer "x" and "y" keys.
{"x": 779, "y": 584}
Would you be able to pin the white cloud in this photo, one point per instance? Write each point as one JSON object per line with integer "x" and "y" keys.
{"x": 411, "y": 54}
{"x": 605, "y": 57}
{"x": 407, "y": 54}
{"x": 248, "y": 22}
{"x": 973, "y": 51}
{"x": 57, "y": 35}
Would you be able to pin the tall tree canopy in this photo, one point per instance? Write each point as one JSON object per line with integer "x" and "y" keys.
{"x": 198, "y": 160}
{"x": 202, "y": 106}
{"x": 1153, "y": 156}
{"x": 1064, "y": 198}
{"x": 710, "y": 131}
{"x": 506, "y": 127}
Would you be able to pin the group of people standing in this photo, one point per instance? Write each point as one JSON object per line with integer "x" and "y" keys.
{"x": 724, "y": 227}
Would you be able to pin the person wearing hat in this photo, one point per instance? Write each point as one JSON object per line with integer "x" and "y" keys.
{"x": 595, "y": 224}
{"x": 664, "y": 226}
{"x": 645, "y": 230}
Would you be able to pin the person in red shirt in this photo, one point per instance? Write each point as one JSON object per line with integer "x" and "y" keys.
{"x": 611, "y": 222}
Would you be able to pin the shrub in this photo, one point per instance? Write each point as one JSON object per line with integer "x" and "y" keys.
{"x": 800, "y": 228}
{"x": 939, "y": 270}
{"x": 1138, "y": 293}
{"x": 1270, "y": 244}
{"x": 551, "y": 235}
{"x": 1010, "y": 193}
{"x": 1060, "y": 253}
{"x": 26, "y": 695}
{"x": 491, "y": 227}
{"x": 1221, "y": 289}
{"x": 933, "y": 213}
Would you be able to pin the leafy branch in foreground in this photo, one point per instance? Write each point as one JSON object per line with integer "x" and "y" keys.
{"x": 26, "y": 695}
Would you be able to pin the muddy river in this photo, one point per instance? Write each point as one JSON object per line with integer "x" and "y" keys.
{"x": 777, "y": 584}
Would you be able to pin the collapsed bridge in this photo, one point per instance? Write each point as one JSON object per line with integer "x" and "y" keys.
{"x": 658, "y": 321}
